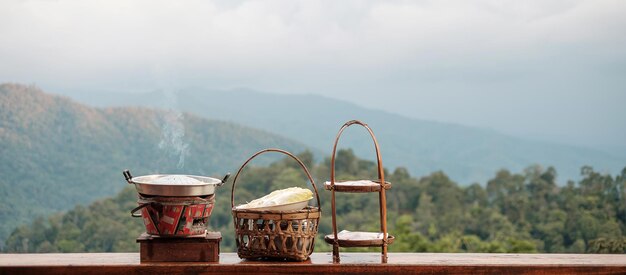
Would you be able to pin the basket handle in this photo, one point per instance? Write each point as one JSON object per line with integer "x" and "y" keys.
{"x": 381, "y": 173}
{"x": 306, "y": 171}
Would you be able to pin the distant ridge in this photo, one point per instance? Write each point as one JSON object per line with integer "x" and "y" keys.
{"x": 55, "y": 153}
{"x": 466, "y": 154}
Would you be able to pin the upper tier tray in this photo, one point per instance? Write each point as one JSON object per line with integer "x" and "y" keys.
{"x": 357, "y": 186}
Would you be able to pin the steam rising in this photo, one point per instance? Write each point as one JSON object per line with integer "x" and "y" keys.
{"x": 173, "y": 131}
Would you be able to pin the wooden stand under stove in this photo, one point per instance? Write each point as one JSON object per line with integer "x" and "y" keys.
{"x": 201, "y": 248}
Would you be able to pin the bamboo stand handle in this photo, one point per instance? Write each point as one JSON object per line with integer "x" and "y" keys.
{"x": 381, "y": 173}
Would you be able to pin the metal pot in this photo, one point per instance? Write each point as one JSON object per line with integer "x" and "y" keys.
{"x": 155, "y": 185}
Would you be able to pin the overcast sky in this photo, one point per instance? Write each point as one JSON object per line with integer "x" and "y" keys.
{"x": 553, "y": 70}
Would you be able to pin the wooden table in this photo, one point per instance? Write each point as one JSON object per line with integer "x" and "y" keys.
{"x": 321, "y": 263}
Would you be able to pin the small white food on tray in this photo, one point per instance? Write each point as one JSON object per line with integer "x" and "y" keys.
{"x": 357, "y": 236}
{"x": 290, "y": 199}
{"x": 355, "y": 183}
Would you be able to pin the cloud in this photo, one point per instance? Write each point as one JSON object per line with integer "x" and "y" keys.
{"x": 394, "y": 55}
{"x": 287, "y": 34}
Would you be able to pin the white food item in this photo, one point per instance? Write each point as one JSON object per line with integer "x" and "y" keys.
{"x": 280, "y": 197}
{"x": 359, "y": 183}
{"x": 355, "y": 236}
{"x": 176, "y": 179}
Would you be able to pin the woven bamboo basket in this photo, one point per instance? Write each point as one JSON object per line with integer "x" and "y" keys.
{"x": 272, "y": 234}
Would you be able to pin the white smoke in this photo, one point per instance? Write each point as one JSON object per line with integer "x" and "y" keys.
{"x": 173, "y": 130}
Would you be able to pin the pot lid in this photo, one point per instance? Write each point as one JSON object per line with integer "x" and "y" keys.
{"x": 176, "y": 180}
{"x": 174, "y": 185}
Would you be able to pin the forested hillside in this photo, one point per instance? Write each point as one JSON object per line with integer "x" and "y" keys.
{"x": 55, "y": 153}
{"x": 525, "y": 212}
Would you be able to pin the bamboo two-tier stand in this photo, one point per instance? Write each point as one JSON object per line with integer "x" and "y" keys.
{"x": 359, "y": 239}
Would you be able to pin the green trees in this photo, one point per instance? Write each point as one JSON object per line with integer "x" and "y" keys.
{"x": 516, "y": 213}
{"x": 104, "y": 226}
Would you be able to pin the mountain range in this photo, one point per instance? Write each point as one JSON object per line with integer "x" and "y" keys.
{"x": 56, "y": 153}
{"x": 466, "y": 154}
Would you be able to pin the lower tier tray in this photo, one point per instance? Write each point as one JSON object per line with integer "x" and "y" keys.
{"x": 358, "y": 239}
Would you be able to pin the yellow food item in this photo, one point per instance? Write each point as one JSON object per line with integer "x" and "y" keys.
{"x": 280, "y": 197}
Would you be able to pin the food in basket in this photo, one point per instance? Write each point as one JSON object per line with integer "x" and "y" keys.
{"x": 294, "y": 198}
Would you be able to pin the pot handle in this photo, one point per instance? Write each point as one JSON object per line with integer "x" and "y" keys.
{"x": 133, "y": 212}
{"x": 128, "y": 176}
{"x": 224, "y": 180}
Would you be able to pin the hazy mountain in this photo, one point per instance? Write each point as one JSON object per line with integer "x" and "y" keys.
{"x": 55, "y": 153}
{"x": 467, "y": 154}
